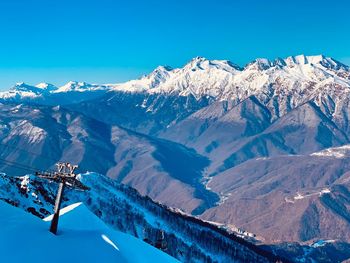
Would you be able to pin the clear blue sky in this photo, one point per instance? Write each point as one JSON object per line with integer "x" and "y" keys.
{"x": 110, "y": 40}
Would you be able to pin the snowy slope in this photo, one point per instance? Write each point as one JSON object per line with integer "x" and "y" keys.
{"x": 124, "y": 209}
{"x": 187, "y": 238}
{"x": 82, "y": 238}
{"x": 80, "y": 87}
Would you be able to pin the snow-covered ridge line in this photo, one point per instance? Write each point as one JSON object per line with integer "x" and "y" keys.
{"x": 48, "y": 94}
{"x": 224, "y": 80}
{"x": 220, "y": 79}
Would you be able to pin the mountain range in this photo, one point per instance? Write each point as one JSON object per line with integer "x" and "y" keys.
{"x": 264, "y": 148}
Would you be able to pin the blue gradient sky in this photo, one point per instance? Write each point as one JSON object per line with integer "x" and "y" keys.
{"x": 107, "y": 41}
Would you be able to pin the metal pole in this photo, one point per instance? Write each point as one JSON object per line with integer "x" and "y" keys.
{"x": 54, "y": 221}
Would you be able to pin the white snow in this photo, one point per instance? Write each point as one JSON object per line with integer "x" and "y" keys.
{"x": 325, "y": 191}
{"x": 82, "y": 237}
{"x": 63, "y": 211}
{"x": 321, "y": 243}
{"x": 25, "y": 182}
{"x": 336, "y": 152}
{"x": 80, "y": 87}
{"x": 299, "y": 75}
{"x": 27, "y": 130}
{"x": 300, "y": 196}
{"x": 46, "y": 86}
{"x": 220, "y": 79}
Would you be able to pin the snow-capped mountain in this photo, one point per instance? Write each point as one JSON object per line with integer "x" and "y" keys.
{"x": 23, "y": 90}
{"x": 167, "y": 96}
{"x": 46, "y": 93}
{"x": 211, "y": 138}
{"x": 79, "y": 86}
{"x": 299, "y": 76}
{"x": 224, "y": 80}
{"x": 46, "y": 86}
{"x": 191, "y": 79}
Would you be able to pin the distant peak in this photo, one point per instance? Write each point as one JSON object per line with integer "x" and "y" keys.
{"x": 42, "y": 85}
{"x": 46, "y": 86}
{"x": 233, "y": 65}
{"x": 322, "y": 60}
{"x": 199, "y": 58}
{"x": 260, "y": 64}
{"x": 77, "y": 83}
{"x": 302, "y": 59}
{"x": 23, "y": 87}
{"x": 20, "y": 84}
{"x": 83, "y": 83}
{"x": 72, "y": 82}
{"x": 73, "y": 86}
{"x": 316, "y": 59}
{"x": 279, "y": 62}
{"x": 201, "y": 63}
{"x": 197, "y": 61}
{"x": 327, "y": 62}
{"x": 163, "y": 68}
{"x": 158, "y": 76}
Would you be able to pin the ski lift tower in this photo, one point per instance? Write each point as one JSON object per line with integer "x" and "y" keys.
{"x": 64, "y": 176}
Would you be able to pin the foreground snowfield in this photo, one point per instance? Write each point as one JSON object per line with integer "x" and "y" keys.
{"x": 82, "y": 237}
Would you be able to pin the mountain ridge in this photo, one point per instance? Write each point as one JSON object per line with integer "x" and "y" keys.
{"x": 161, "y": 74}
{"x": 258, "y": 119}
